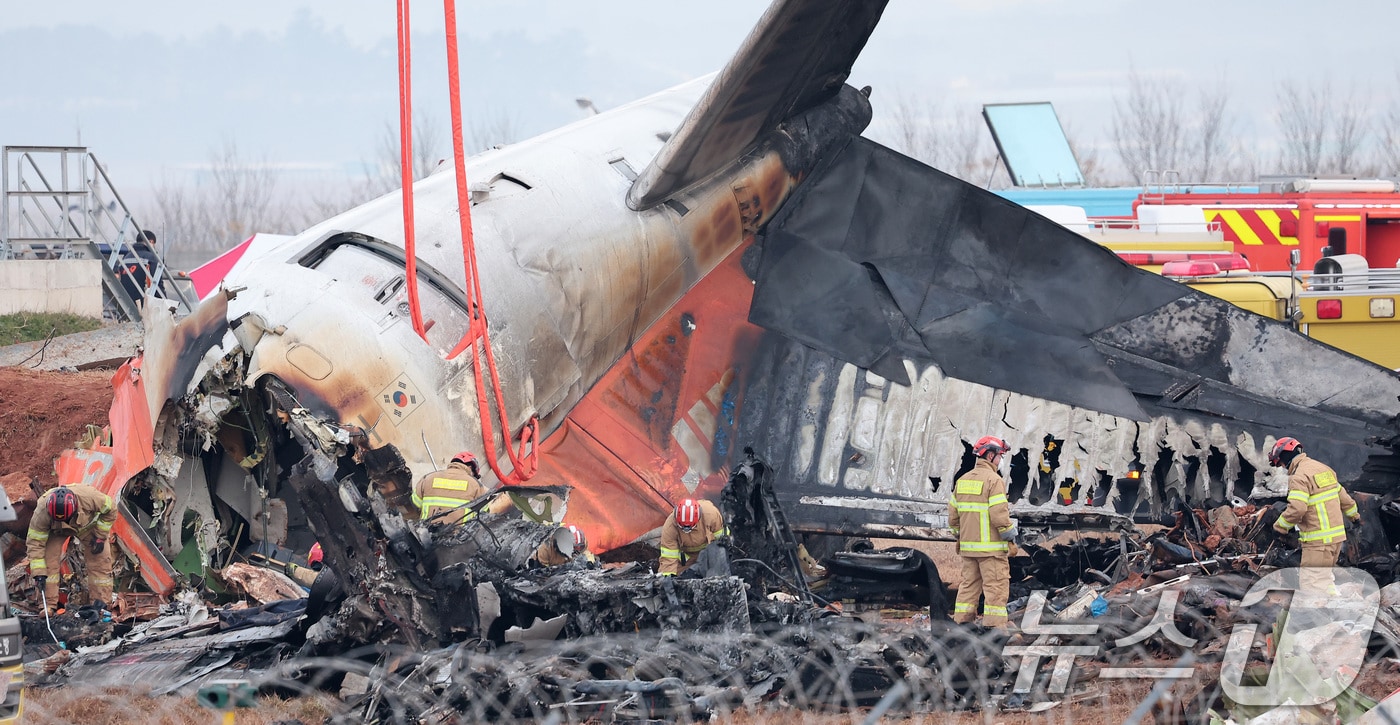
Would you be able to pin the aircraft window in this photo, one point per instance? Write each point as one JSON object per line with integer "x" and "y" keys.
{"x": 382, "y": 279}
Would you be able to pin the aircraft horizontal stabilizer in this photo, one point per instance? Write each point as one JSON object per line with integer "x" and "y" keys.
{"x": 908, "y": 263}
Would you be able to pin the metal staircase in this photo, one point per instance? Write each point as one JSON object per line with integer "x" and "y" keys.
{"x": 60, "y": 204}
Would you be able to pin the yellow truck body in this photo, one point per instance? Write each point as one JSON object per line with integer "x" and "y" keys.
{"x": 1351, "y": 310}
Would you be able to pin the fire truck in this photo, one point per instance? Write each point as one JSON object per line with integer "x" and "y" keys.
{"x": 1320, "y": 253}
{"x": 1318, "y": 217}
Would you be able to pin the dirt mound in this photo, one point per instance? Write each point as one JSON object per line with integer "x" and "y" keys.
{"x": 42, "y": 413}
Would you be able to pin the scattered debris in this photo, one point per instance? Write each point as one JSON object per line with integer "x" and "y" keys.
{"x": 261, "y": 585}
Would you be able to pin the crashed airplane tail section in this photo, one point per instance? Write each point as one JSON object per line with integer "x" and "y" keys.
{"x": 917, "y": 312}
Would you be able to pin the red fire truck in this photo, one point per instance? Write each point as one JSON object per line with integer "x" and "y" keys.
{"x": 1318, "y": 217}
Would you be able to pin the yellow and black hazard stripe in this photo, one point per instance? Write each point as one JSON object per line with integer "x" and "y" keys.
{"x": 1253, "y": 227}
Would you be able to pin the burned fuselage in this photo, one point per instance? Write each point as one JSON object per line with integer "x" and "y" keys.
{"x": 303, "y": 404}
{"x": 664, "y": 284}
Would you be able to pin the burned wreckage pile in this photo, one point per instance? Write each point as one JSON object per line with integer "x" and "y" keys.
{"x": 427, "y": 621}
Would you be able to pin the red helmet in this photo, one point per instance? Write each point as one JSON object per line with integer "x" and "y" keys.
{"x": 1283, "y": 444}
{"x": 580, "y": 541}
{"x": 989, "y": 444}
{"x": 688, "y": 514}
{"x": 63, "y": 504}
{"x": 467, "y": 459}
{"x": 316, "y": 556}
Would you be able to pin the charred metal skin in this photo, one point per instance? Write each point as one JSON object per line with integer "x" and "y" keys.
{"x": 382, "y": 570}
{"x": 964, "y": 315}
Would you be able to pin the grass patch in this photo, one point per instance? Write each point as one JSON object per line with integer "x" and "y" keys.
{"x": 33, "y": 326}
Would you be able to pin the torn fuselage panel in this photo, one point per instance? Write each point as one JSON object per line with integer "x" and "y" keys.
{"x": 855, "y": 450}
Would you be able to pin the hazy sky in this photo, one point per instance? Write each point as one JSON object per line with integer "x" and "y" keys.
{"x": 153, "y": 86}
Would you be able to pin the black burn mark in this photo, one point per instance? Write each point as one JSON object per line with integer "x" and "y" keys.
{"x": 192, "y": 338}
{"x": 1019, "y": 475}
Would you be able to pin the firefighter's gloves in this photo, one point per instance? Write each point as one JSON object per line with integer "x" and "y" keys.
{"x": 1010, "y": 533}
{"x": 725, "y": 540}
{"x": 1355, "y": 525}
{"x": 40, "y": 580}
{"x": 98, "y": 545}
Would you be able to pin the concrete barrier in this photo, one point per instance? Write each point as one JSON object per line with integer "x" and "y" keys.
{"x": 51, "y": 285}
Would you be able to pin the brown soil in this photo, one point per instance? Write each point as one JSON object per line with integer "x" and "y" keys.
{"x": 116, "y": 706}
{"x": 42, "y": 413}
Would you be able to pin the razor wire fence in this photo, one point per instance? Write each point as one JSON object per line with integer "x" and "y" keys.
{"x": 832, "y": 670}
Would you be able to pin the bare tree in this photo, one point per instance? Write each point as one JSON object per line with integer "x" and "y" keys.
{"x": 969, "y": 155}
{"x": 1322, "y": 132}
{"x": 488, "y": 129}
{"x": 384, "y": 173}
{"x": 230, "y": 201}
{"x": 1390, "y": 141}
{"x": 1211, "y": 150}
{"x": 1303, "y": 125}
{"x": 1350, "y": 119}
{"x": 1149, "y": 125}
{"x": 913, "y": 130}
{"x": 241, "y": 197}
{"x": 956, "y": 144}
{"x": 179, "y": 222}
{"x": 1087, "y": 156}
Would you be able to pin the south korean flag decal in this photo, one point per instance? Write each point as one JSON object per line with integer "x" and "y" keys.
{"x": 400, "y": 399}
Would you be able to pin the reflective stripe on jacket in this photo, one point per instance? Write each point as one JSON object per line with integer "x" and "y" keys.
{"x": 447, "y": 490}
{"x": 97, "y": 512}
{"x": 679, "y": 548}
{"x": 978, "y": 511}
{"x": 1316, "y": 503}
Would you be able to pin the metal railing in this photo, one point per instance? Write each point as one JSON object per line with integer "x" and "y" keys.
{"x": 60, "y": 204}
{"x": 1106, "y": 224}
{"x": 1375, "y": 281}
{"x": 1158, "y": 183}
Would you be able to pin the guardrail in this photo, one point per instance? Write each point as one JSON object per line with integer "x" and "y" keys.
{"x": 59, "y": 203}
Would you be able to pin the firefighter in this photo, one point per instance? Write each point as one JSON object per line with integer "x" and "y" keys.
{"x": 980, "y": 517}
{"x": 450, "y": 489}
{"x": 551, "y": 553}
{"x": 1316, "y": 505}
{"x": 85, "y": 515}
{"x": 687, "y": 532}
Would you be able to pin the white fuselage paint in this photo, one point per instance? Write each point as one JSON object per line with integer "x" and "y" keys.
{"x": 570, "y": 277}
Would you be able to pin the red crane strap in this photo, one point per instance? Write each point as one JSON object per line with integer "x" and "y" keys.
{"x": 525, "y": 461}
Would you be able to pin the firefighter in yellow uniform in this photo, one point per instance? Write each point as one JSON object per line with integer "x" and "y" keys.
{"x": 692, "y": 527}
{"x": 980, "y": 517}
{"x": 548, "y": 553}
{"x": 450, "y": 489}
{"x": 1317, "y": 504}
{"x": 84, "y": 514}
